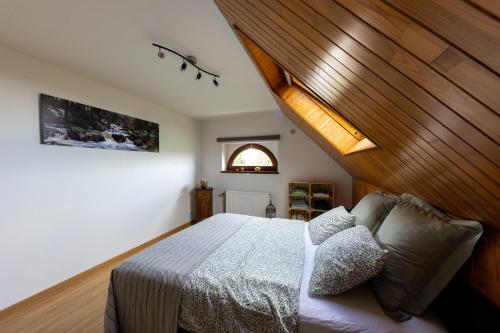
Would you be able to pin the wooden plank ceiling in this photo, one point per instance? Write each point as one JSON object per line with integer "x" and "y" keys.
{"x": 419, "y": 78}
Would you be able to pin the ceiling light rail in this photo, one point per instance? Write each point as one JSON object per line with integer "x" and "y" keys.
{"x": 185, "y": 61}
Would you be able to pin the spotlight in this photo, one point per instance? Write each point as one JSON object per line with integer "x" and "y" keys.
{"x": 186, "y": 61}
{"x": 161, "y": 54}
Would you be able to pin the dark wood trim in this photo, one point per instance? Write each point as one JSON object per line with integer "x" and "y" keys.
{"x": 274, "y": 137}
{"x": 265, "y": 150}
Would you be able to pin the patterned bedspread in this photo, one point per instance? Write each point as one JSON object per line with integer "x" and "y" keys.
{"x": 145, "y": 291}
{"x": 251, "y": 283}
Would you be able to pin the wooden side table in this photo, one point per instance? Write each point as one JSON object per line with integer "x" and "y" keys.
{"x": 204, "y": 203}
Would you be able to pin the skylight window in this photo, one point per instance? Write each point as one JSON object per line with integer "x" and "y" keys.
{"x": 309, "y": 106}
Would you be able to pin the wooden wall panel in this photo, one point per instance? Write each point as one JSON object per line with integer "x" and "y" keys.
{"x": 447, "y": 60}
{"x": 424, "y": 92}
{"x": 489, "y": 6}
{"x": 470, "y": 29}
{"x": 483, "y": 269}
{"x": 361, "y": 188}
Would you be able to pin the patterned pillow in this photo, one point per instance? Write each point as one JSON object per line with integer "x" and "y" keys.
{"x": 329, "y": 223}
{"x": 346, "y": 260}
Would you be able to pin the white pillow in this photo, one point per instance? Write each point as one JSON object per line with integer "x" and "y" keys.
{"x": 327, "y": 224}
{"x": 346, "y": 260}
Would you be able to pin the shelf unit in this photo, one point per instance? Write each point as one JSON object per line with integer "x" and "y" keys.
{"x": 304, "y": 199}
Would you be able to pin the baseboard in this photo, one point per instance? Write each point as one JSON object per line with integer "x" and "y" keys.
{"x": 75, "y": 279}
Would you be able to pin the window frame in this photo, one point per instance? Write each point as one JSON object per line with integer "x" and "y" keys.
{"x": 251, "y": 168}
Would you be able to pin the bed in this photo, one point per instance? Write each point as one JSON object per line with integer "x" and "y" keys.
{"x": 236, "y": 273}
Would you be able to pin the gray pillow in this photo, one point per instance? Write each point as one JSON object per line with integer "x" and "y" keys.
{"x": 424, "y": 206}
{"x": 372, "y": 210}
{"x": 327, "y": 224}
{"x": 346, "y": 260}
{"x": 425, "y": 252}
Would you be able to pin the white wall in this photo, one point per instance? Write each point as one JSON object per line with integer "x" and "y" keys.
{"x": 65, "y": 209}
{"x": 299, "y": 159}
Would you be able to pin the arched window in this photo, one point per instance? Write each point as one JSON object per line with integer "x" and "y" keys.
{"x": 252, "y": 157}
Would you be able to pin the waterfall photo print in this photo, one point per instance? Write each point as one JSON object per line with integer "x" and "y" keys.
{"x": 67, "y": 123}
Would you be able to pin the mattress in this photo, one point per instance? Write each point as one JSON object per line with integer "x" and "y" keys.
{"x": 354, "y": 311}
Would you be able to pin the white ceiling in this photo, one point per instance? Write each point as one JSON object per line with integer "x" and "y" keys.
{"x": 110, "y": 41}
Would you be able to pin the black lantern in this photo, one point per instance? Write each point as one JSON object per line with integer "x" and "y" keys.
{"x": 270, "y": 210}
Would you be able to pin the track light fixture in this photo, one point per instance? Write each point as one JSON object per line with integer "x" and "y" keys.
{"x": 185, "y": 60}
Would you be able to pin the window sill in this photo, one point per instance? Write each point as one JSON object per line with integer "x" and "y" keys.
{"x": 254, "y": 172}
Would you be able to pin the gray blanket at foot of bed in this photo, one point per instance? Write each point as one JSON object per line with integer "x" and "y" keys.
{"x": 145, "y": 291}
{"x": 251, "y": 283}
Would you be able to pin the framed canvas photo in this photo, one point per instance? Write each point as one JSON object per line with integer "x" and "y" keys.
{"x": 67, "y": 123}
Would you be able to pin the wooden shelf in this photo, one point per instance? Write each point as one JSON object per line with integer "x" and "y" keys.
{"x": 310, "y": 188}
{"x": 295, "y": 208}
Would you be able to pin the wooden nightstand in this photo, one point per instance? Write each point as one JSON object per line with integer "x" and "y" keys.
{"x": 204, "y": 203}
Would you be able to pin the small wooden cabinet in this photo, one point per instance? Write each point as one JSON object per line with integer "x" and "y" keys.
{"x": 204, "y": 203}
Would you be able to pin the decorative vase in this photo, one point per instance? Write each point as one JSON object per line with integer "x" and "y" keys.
{"x": 204, "y": 183}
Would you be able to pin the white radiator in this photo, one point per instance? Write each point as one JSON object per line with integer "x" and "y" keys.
{"x": 247, "y": 203}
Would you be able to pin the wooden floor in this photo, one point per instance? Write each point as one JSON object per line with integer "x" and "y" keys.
{"x": 77, "y": 308}
{"x": 76, "y": 305}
